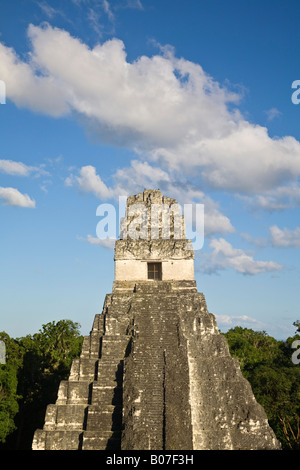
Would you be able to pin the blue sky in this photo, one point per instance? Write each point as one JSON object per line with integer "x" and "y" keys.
{"x": 108, "y": 97}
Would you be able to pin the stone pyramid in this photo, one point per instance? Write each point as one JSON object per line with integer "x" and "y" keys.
{"x": 154, "y": 373}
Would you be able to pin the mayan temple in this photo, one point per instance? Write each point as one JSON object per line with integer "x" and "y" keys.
{"x": 155, "y": 373}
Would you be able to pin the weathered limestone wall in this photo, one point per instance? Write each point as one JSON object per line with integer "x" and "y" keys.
{"x": 146, "y": 238}
{"x": 182, "y": 389}
{"x": 225, "y": 414}
{"x": 178, "y": 270}
{"x": 150, "y": 215}
{"x": 134, "y": 270}
{"x": 156, "y": 413}
{"x": 130, "y": 270}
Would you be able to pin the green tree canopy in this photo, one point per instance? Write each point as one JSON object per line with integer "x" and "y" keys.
{"x": 275, "y": 379}
{"x": 8, "y": 387}
{"x": 40, "y": 362}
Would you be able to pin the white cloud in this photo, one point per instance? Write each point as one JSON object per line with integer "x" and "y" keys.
{"x": 89, "y": 181}
{"x": 13, "y": 197}
{"x": 167, "y": 109}
{"x": 139, "y": 176}
{"x": 224, "y": 256}
{"x": 14, "y": 168}
{"x": 25, "y": 88}
{"x": 277, "y": 199}
{"x": 107, "y": 9}
{"x": 225, "y": 322}
{"x": 260, "y": 242}
{"x": 11, "y": 167}
{"x": 272, "y": 113}
{"x": 49, "y": 11}
{"x": 285, "y": 238}
{"x": 107, "y": 242}
{"x": 214, "y": 221}
{"x": 279, "y": 238}
{"x": 239, "y": 320}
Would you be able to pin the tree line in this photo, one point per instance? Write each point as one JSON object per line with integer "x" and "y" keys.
{"x": 29, "y": 379}
{"x": 35, "y": 365}
{"x": 273, "y": 369}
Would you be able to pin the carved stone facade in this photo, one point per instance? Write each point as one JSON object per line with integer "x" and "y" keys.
{"x": 154, "y": 373}
{"x": 153, "y": 231}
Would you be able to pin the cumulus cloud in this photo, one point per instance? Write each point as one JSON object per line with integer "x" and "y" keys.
{"x": 11, "y": 167}
{"x": 168, "y": 109}
{"x": 27, "y": 89}
{"x": 14, "y": 168}
{"x": 13, "y": 197}
{"x": 285, "y": 238}
{"x": 275, "y": 200}
{"x": 224, "y": 256}
{"x": 89, "y": 181}
{"x": 278, "y": 238}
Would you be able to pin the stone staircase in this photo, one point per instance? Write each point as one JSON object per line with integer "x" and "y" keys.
{"x": 88, "y": 410}
{"x": 156, "y": 412}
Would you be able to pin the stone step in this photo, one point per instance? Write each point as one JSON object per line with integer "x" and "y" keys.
{"x": 56, "y": 440}
{"x": 153, "y": 287}
{"x": 104, "y": 418}
{"x": 110, "y": 381}
{"x": 116, "y": 323}
{"x": 84, "y": 368}
{"x": 123, "y": 287}
{"x": 110, "y": 373}
{"x": 68, "y": 417}
{"x": 91, "y": 346}
{"x": 99, "y": 440}
{"x": 103, "y": 395}
{"x": 114, "y": 346}
{"x": 98, "y": 325}
{"x": 120, "y": 299}
{"x": 73, "y": 392}
{"x": 164, "y": 287}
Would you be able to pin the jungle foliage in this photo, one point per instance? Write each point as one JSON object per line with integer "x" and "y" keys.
{"x": 29, "y": 379}
{"x": 273, "y": 369}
